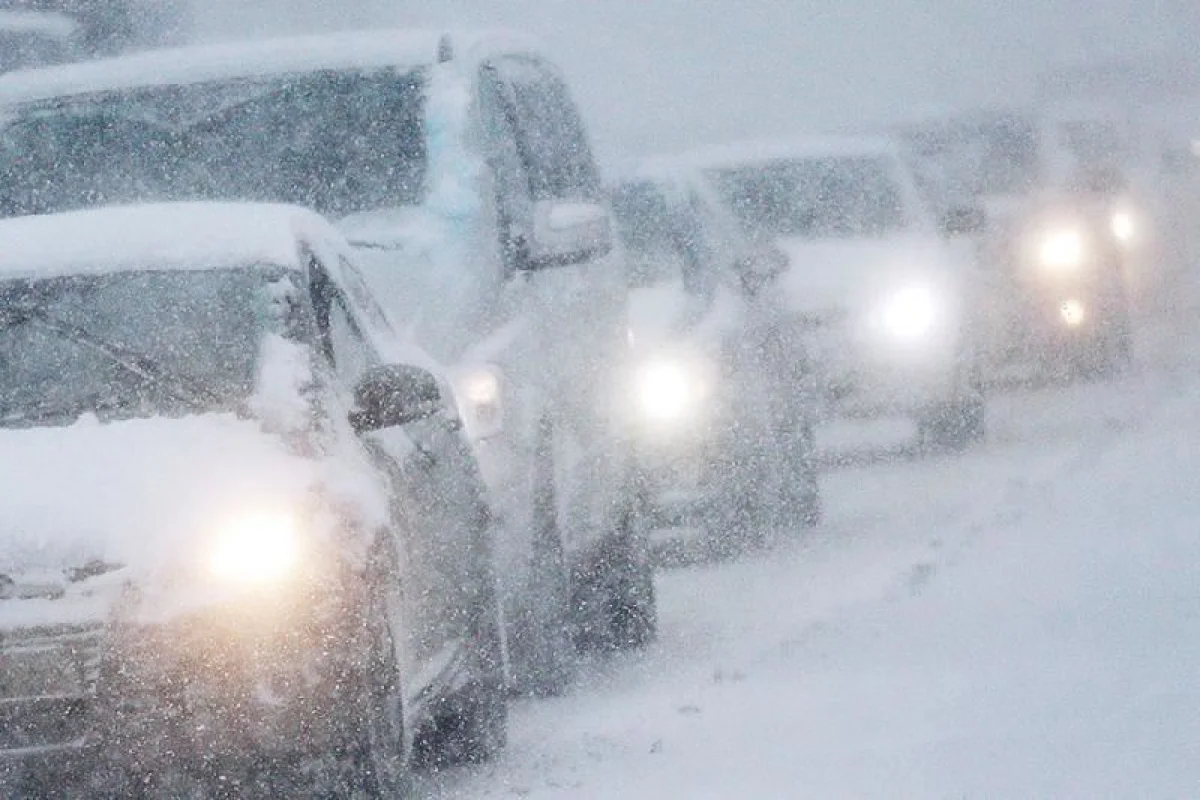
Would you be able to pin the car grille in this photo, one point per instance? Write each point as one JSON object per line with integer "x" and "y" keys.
{"x": 48, "y": 682}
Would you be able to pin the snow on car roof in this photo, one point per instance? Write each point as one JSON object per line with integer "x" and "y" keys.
{"x": 261, "y": 57}
{"x": 759, "y": 151}
{"x": 161, "y": 236}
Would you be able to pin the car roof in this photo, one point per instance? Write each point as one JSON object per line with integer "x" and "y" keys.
{"x": 158, "y": 236}
{"x": 405, "y": 48}
{"x": 764, "y": 150}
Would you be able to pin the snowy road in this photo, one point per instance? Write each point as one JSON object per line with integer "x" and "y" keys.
{"x": 1017, "y": 621}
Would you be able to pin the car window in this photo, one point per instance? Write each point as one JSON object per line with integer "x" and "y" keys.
{"x": 511, "y": 181}
{"x": 341, "y": 337}
{"x": 360, "y": 294}
{"x": 550, "y": 134}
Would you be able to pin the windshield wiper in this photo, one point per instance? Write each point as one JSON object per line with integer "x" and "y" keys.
{"x": 178, "y": 386}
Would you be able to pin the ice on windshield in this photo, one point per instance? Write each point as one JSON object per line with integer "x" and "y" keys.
{"x": 841, "y": 197}
{"x": 336, "y": 141}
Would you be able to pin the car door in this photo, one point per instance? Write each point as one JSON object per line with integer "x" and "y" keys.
{"x": 575, "y": 313}
{"x": 438, "y": 507}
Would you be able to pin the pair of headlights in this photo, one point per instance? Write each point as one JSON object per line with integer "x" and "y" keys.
{"x": 1066, "y": 249}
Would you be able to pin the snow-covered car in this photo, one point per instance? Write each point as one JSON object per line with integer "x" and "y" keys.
{"x": 459, "y": 167}
{"x": 1064, "y": 308}
{"x": 241, "y": 551}
{"x": 888, "y": 297}
{"x": 724, "y": 426}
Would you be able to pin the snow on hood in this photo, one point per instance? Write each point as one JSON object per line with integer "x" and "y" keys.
{"x": 150, "y": 494}
{"x": 837, "y": 275}
{"x": 140, "y": 492}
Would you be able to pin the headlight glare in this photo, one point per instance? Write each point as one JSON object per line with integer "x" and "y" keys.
{"x": 1124, "y": 228}
{"x": 667, "y": 389}
{"x": 1062, "y": 250}
{"x": 910, "y": 313}
{"x": 481, "y": 387}
{"x": 255, "y": 549}
{"x": 1073, "y": 313}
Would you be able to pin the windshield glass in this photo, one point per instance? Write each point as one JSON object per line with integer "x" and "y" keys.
{"x": 816, "y": 197}
{"x": 339, "y": 142}
{"x": 134, "y": 344}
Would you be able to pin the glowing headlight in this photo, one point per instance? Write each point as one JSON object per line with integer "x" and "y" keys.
{"x": 1123, "y": 226}
{"x": 481, "y": 387}
{"x": 255, "y": 549}
{"x": 667, "y": 389}
{"x": 910, "y": 313}
{"x": 1072, "y": 312}
{"x": 1063, "y": 249}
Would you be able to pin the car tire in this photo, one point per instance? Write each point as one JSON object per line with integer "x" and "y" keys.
{"x": 470, "y": 727}
{"x": 383, "y": 747}
{"x": 541, "y": 645}
{"x": 630, "y": 608}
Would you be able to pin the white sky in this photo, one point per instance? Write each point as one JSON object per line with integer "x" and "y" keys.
{"x": 655, "y": 75}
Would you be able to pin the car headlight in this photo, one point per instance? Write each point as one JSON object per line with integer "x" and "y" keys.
{"x": 910, "y": 313}
{"x": 255, "y": 549}
{"x": 668, "y": 389}
{"x": 1123, "y": 225}
{"x": 1062, "y": 249}
{"x": 1072, "y": 312}
{"x": 481, "y": 387}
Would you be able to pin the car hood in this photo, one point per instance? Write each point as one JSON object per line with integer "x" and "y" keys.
{"x": 836, "y": 276}
{"x": 138, "y": 495}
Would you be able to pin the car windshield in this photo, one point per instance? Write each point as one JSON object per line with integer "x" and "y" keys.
{"x": 813, "y": 198}
{"x": 130, "y": 344}
{"x": 336, "y": 141}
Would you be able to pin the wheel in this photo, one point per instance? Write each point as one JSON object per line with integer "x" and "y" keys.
{"x": 541, "y": 643}
{"x": 631, "y": 610}
{"x": 384, "y": 758}
{"x": 954, "y": 426}
{"x": 471, "y": 726}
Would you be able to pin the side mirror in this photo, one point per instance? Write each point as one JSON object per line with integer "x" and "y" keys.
{"x": 964, "y": 221}
{"x": 394, "y": 395}
{"x": 566, "y": 233}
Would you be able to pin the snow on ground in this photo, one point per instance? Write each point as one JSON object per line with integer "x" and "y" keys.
{"x": 1015, "y": 622}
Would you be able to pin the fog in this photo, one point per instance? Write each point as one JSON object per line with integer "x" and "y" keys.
{"x": 659, "y": 76}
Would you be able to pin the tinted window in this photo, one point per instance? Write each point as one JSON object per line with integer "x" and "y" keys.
{"x": 550, "y": 133}
{"x": 816, "y": 197}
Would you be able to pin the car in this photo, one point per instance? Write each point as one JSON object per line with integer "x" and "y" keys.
{"x": 244, "y": 550}
{"x": 1067, "y": 245}
{"x": 1065, "y": 306}
{"x": 459, "y": 167}
{"x": 725, "y": 428}
{"x": 887, "y": 297}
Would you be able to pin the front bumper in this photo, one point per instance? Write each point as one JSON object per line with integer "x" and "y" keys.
{"x": 105, "y": 701}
